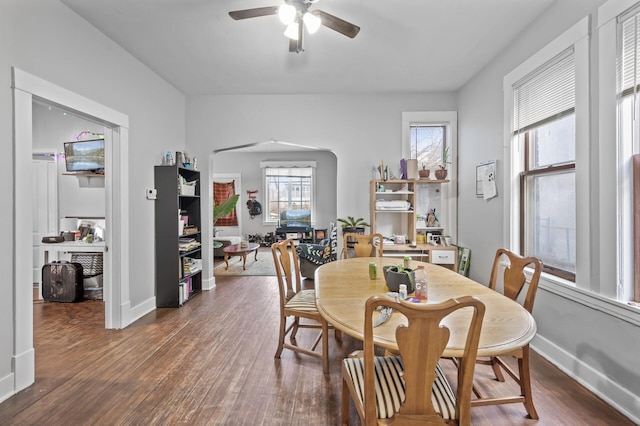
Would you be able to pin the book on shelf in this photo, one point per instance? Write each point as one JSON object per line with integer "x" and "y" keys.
{"x": 192, "y": 266}
{"x": 190, "y": 229}
{"x": 181, "y": 286}
{"x": 187, "y": 244}
{"x": 185, "y": 289}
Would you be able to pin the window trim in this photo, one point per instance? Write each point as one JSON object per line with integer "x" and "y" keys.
{"x": 577, "y": 37}
{"x": 612, "y": 192}
{"x": 290, "y": 165}
{"x": 449, "y": 119}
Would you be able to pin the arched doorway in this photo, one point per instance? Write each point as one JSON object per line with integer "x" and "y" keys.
{"x": 245, "y": 160}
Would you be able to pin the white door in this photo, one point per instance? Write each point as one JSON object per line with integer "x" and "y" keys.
{"x": 45, "y": 207}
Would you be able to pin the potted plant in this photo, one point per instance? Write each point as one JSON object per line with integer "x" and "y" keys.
{"x": 441, "y": 173}
{"x": 424, "y": 172}
{"x": 351, "y": 224}
{"x": 396, "y": 275}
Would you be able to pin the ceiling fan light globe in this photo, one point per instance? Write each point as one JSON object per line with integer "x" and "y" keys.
{"x": 287, "y": 14}
{"x": 292, "y": 31}
{"x": 311, "y": 22}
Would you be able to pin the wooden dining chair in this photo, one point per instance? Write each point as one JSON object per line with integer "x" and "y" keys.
{"x": 362, "y": 245}
{"x": 296, "y": 303}
{"x": 512, "y": 283}
{"x": 410, "y": 388}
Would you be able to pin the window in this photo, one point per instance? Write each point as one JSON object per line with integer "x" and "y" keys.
{"x": 544, "y": 126}
{"x": 427, "y": 144}
{"x": 288, "y": 186}
{"x": 425, "y": 136}
{"x": 628, "y": 96}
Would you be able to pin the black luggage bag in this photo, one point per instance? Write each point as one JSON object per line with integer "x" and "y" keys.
{"x": 62, "y": 282}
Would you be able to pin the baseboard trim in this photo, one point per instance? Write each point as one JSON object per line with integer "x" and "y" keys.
{"x": 209, "y": 284}
{"x": 6, "y": 387}
{"x": 23, "y": 375}
{"x": 618, "y": 397}
{"x": 137, "y": 312}
{"x": 24, "y": 367}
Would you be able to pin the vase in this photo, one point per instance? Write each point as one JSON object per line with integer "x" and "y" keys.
{"x": 441, "y": 174}
{"x": 394, "y": 278}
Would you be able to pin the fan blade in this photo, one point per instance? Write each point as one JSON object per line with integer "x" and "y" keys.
{"x": 337, "y": 24}
{"x": 254, "y": 13}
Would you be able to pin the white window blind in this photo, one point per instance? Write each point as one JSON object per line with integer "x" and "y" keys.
{"x": 629, "y": 57}
{"x": 546, "y": 93}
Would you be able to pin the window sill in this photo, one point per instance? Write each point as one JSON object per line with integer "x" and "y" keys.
{"x": 568, "y": 290}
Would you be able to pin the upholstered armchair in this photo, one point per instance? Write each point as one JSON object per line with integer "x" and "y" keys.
{"x": 313, "y": 255}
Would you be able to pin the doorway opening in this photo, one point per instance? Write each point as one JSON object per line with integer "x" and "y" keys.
{"x": 27, "y": 89}
{"x": 245, "y": 161}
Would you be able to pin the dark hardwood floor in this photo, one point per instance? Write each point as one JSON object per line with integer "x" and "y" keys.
{"x": 211, "y": 362}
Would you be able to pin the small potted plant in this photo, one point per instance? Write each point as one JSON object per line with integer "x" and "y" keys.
{"x": 351, "y": 224}
{"x": 396, "y": 275}
{"x": 441, "y": 173}
{"x": 424, "y": 172}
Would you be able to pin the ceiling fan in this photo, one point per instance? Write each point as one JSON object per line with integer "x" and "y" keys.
{"x": 296, "y": 15}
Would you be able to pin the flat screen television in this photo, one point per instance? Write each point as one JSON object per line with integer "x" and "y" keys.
{"x": 84, "y": 156}
{"x": 295, "y": 219}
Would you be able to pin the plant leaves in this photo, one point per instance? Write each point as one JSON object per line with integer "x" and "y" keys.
{"x": 225, "y": 207}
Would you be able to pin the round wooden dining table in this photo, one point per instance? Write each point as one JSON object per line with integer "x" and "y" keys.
{"x": 343, "y": 286}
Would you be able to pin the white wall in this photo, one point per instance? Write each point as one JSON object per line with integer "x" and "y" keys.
{"x": 46, "y": 39}
{"x": 598, "y": 349}
{"x": 360, "y": 129}
{"x": 77, "y": 196}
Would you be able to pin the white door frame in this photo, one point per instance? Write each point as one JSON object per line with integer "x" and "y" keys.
{"x": 26, "y": 87}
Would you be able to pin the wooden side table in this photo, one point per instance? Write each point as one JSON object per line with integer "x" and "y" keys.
{"x": 237, "y": 250}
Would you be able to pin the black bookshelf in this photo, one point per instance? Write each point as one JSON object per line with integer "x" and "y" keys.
{"x": 178, "y": 278}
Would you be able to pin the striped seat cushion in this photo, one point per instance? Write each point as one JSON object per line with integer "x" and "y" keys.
{"x": 390, "y": 386}
{"x": 304, "y": 300}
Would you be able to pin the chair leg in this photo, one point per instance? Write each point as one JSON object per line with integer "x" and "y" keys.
{"x": 496, "y": 369}
{"x": 283, "y": 326}
{"x": 338, "y": 335}
{"x": 325, "y": 347}
{"x": 345, "y": 403}
{"x": 525, "y": 383}
{"x": 296, "y": 322}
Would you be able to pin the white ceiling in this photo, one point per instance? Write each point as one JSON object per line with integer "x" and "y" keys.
{"x": 403, "y": 45}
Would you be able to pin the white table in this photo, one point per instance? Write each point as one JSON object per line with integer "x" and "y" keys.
{"x": 72, "y": 247}
{"x": 343, "y": 286}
